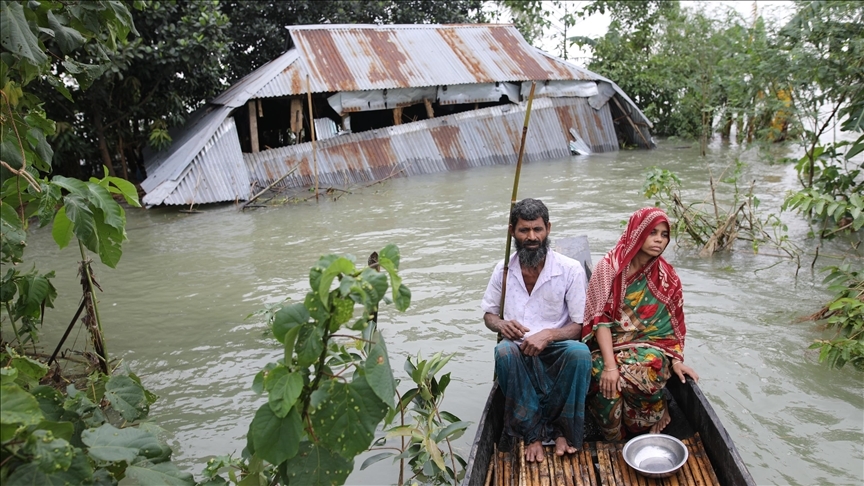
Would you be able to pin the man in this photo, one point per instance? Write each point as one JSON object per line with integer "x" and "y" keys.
{"x": 542, "y": 367}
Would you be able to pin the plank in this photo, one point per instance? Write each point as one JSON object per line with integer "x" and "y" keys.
{"x": 543, "y": 468}
{"x": 707, "y": 469}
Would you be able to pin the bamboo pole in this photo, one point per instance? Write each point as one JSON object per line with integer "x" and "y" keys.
{"x": 277, "y": 181}
{"x": 312, "y": 133}
{"x": 513, "y": 198}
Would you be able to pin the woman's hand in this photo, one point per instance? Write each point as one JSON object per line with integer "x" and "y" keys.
{"x": 610, "y": 382}
{"x": 680, "y": 369}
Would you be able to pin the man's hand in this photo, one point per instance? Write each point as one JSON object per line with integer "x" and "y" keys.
{"x": 512, "y": 330}
{"x": 535, "y": 344}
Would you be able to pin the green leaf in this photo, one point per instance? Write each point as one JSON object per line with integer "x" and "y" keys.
{"x": 341, "y": 265}
{"x": 310, "y": 343}
{"x": 15, "y": 33}
{"x": 316, "y": 464}
{"x": 127, "y": 397}
{"x": 379, "y": 374}
{"x": 452, "y": 431}
{"x": 67, "y": 39}
{"x": 284, "y": 388}
{"x": 62, "y": 228}
{"x": 345, "y": 423}
{"x": 83, "y": 222}
{"x": 110, "y": 444}
{"x": 287, "y": 318}
{"x": 18, "y": 407}
{"x": 376, "y": 458}
{"x": 50, "y": 402}
{"x": 163, "y": 473}
{"x": 50, "y": 452}
{"x": 110, "y": 241}
{"x": 80, "y": 471}
{"x": 42, "y": 149}
{"x": 391, "y": 252}
{"x": 275, "y": 439}
{"x": 126, "y": 188}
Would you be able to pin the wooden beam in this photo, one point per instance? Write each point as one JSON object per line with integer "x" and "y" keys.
{"x": 253, "y": 125}
{"x": 430, "y": 113}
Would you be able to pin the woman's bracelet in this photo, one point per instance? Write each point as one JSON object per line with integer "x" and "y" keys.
{"x": 610, "y": 369}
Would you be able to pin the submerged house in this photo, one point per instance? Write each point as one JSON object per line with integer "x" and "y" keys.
{"x": 388, "y": 100}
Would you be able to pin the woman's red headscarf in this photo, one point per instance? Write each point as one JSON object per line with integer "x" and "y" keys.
{"x": 607, "y": 287}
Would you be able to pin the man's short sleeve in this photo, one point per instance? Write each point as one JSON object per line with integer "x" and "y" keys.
{"x": 575, "y": 295}
{"x": 492, "y": 297}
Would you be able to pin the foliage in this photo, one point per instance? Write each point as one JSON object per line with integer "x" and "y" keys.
{"x": 712, "y": 228}
{"x": 430, "y": 426}
{"x": 825, "y": 41}
{"x": 844, "y": 314}
{"x": 92, "y": 437}
{"x": 325, "y": 398}
{"x": 167, "y": 68}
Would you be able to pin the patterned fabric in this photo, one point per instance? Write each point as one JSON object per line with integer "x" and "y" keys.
{"x": 558, "y": 297}
{"x": 545, "y": 394}
{"x": 645, "y": 314}
{"x": 644, "y": 372}
{"x": 606, "y": 290}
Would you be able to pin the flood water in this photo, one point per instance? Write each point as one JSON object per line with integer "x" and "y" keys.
{"x": 175, "y": 310}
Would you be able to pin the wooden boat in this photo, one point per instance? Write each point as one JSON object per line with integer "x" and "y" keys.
{"x": 713, "y": 456}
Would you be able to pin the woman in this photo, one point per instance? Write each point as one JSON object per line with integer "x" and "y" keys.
{"x": 634, "y": 325}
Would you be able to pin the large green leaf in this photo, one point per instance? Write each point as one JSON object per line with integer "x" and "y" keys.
{"x": 50, "y": 452}
{"x": 310, "y": 343}
{"x": 42, "y": 149}
{"x": 110, "y": 444}
{"x": 127, "y": 397}
{"x": 83, "y": 222}
{"x": 378, "y": 283}
{"x": 18, "y": 407}
{"x": 113, "y": 213}
{"x": 62, "y": 228}
{"x": 275, "y": 439}
{"x": 15, "y": 33}
{"x": 110, "y": 241}
{"x": 341, "y": 265}
{"x": 345, "y": 421}
{"x": 288, "y": 317}
{"x": 379, "y": 374}
{"x": 390, "y": 252}
{"x": 67, "y": 39}
{"x": 315, "y": 464}
{"x": 163, "y": 473}
{"x": 50, "y": 401}
{"x": 284, "y": 388}
{"x": 80, "y": 471}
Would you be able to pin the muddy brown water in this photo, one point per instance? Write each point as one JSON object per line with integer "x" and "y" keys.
{"x": 175, "y": 310}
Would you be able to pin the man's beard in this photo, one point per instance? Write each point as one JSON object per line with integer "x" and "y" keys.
{"x": 532, "y": 257}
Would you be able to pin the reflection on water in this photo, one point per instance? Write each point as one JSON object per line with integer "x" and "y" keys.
{"x": 176, "y": 308}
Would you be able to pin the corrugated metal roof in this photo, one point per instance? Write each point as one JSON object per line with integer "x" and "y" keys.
{"x": 216, "y": 174}
{"x": 367, "y": 57}
{"x": 371, "y": 57}
{"x": 487, "y": 136}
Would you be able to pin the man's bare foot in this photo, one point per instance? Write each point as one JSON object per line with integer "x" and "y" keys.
{"x": 534, "y": 452}
{"x": 562, "y": 447}
{"x": 662, "y": 423}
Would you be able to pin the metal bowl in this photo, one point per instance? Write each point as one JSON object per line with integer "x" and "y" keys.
{"x": 655, "y": 455}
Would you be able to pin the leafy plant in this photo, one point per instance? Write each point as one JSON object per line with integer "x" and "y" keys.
{"x": 329, "y": 391}
{"x": 844, "y": 314}
{"x": 429, "y": 428}
{"x": 80, "y": 437}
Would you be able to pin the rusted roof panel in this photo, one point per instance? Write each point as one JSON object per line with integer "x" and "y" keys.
{"x": 471, "y": 139}
{"x": 367, "y": 57}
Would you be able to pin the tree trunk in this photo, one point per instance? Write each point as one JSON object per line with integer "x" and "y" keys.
{"x": 103, "y": 143}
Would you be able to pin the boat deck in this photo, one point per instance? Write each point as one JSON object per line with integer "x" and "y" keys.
{"x": 596, "y": 464}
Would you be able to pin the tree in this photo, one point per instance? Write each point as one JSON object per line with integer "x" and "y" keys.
{"x": 170, "y": 66}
